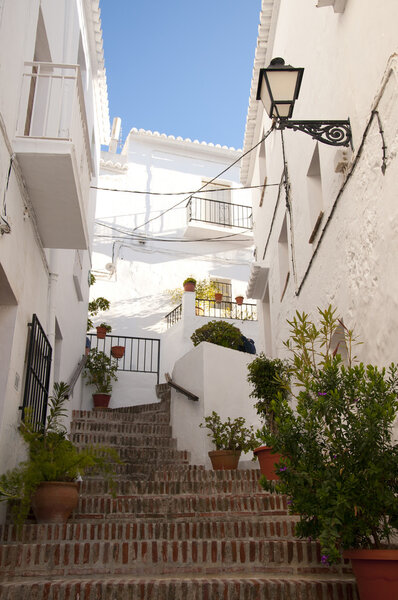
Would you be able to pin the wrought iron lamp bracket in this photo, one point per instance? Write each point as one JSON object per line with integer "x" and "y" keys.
{"x": 333, "y": 133}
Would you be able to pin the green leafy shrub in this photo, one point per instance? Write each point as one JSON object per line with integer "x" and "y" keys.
{"x": 100, "y": 370}
{"x": 269, "y": 377}
{"x": 189, "y": 280}
{"x": 230, "y": 435}
{"x": 341, "y": 465}
{"x": 94, "y": 307}
{"x": 51, "y": 457}
{"x": 220, "y": 333}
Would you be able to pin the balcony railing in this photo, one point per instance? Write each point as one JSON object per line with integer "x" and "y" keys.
{"x": 225, "y": 310}
{"x": 224, "y": 214}
{"x": 52, "y": 104}
{"x": 174, "y": 316}
{"x": 141, "y": 355}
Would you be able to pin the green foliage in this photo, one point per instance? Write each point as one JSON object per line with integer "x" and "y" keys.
{"x": 51, "y": 457}
{"x": 220, "y": 333}
{"x": 230, "y": 435}
{"x": 205, "y": 290}
{"x": 100, "y": 371}
{"x": 341, "y": 465}
{"x": 94, "y": 307}
{"x": 91, "y": 279}
{"x": 269, "y": 377}
{"x": 106, "y": 326}
{"x": 189, "y": 280}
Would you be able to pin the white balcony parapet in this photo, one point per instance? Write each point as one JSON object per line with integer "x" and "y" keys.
{"x": 52, "y": 146}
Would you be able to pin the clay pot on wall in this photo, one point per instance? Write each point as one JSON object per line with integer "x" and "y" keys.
{"x": 101, "y": 333}
{"x": 239, "y": 300}
{"x": 218, "y": 297}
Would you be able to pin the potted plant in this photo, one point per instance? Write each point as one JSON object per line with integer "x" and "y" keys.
{"x": 46, "y": 480}
{"x": 269, "y": 377}
{"x": 220, "y": 333}
{"x": 189, "y": 284}
{"x": 239, "y": 300}
{"x": 94, "y": 307}
{"x": 102, "y": 330}
{"x": 230, "y": 439}
{"x": 218, "y": 297}
{"x": 118, "y": 351}
{"x": 100, "y": 371}
{"x": 341, "y": 460}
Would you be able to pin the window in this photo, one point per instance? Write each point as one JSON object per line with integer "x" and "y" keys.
{"x": 314, "y": 190}
{"x": 225, "y": 287}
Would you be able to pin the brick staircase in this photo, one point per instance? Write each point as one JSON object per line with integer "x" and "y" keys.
{"x": 174, "y": 531}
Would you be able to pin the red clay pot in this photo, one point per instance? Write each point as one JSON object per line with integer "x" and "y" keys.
{"x": 267, "y": 461}
{"x": 101, "y": 400}
{"x": 224, "y": 460}
{"x": 239, "y": 300}
{"x": 101, "y": 333}
{"x": 218, "y": 298}
{"x": 54, "y": 501}
{"x": 376, "y": 572}
{"x": 189, "y": 287}
{"x": 117, "y": 351}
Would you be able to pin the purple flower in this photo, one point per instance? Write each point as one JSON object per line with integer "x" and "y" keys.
{"x": 334, "y": 455}
{"x": 325, "y": 559}
{"x": 283, "y": 469}
{"x": 321, "y": 393}
{"x": 289, "y": 501}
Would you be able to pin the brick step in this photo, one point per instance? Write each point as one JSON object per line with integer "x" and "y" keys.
{"x": 151, "y": 455}
{"x": 117, "y": 427}
{"x": 127, "y": 487}
{"x": 134, "y": 507}
{"x": 241, "y": 586}
{"x": 119, "y": 440}
{"x": 161, "y": 417}
{"x": 148, "y": 529}
{"x": 161, "y": 557}
{"x": 140, "y": 470}
{"x": 199, "y": 473}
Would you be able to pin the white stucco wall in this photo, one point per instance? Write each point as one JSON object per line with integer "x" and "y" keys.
{"x": 351, "y": 264}
{"x": 218, "y": 376}
{"x": 135, "y": 259}
{"x": 33, "y": 279}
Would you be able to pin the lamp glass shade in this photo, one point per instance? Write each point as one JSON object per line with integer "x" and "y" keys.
{"x": 278, "y": 89}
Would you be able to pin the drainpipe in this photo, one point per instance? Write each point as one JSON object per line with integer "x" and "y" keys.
{"x": 51, "y": 311}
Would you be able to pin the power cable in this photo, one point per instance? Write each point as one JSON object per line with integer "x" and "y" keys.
{"x": 148, "y": 193}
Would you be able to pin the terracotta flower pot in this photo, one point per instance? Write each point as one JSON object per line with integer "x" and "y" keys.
{"x": 54, "y": 501}
{"x": 101, "y": 333}
{"x": 239, "y": 300}
{"x": 117, "y": 351}
{"x": 189, "y": 287}
{"x": 218, "y": 297}
{"x": 376, "y": 572}
{"x": 101, "y": 400}
{"x": 223, "y": 460}
{"x": 267, "y": 461}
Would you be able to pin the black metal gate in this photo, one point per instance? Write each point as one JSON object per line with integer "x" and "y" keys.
{"x": 37, "y": 375}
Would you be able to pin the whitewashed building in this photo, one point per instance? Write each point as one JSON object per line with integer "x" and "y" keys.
{"x": 53, "y": 118}
{"x": 168, "y": 208}
{"x": 330, "y": 235}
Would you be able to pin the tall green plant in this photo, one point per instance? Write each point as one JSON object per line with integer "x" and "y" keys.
{"x": 341, "y": 465}
{"x": 99, "y": 371}
{"x": 94, "y": 307}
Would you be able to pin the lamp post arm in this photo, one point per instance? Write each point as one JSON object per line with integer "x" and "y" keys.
{"x": 333, "y": 133}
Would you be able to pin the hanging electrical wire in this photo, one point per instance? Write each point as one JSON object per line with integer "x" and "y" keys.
{"x": 149, "y": 193}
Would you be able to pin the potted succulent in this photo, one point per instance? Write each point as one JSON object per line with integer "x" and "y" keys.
{"x": 102, "y": 330}
{"x": 269, "y": 377}
{"x": 341, "y": 460}
{"x": 46, "y": 480}
{"x": 100, "y": 370}
{"x": 230, "y": 439}
{"x": 189, "y": 284}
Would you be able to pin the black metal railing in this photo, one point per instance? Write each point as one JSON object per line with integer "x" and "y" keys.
{"x": 225, "y": 309}
{"x": 174, "y": 316}
{"x": 141, "y": 355}
{"x": 37, "y": 379}
{"x": 225, "y": 214}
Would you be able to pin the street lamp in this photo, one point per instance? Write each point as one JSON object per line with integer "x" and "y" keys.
{"x": 278, "y": 89}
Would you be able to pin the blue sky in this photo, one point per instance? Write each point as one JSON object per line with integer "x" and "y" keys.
{"x": 181, "y": 67}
